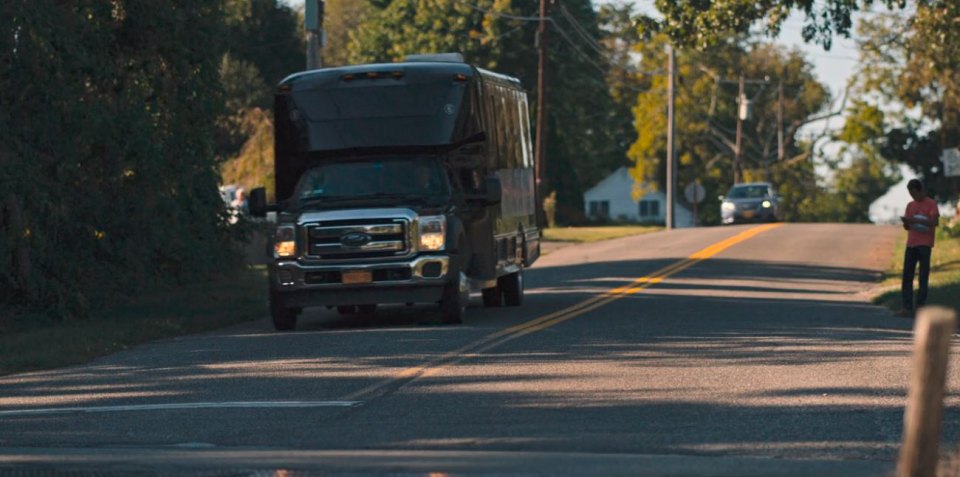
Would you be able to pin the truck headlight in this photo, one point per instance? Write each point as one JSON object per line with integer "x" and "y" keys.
{"x": 433, "y": 232}
{"x": 766, "y": 204}
{"x": 727, "y": 206}
{"x": 285, "y": 241}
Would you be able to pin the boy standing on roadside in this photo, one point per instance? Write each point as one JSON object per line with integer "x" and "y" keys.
{"x": 920, "y": 222}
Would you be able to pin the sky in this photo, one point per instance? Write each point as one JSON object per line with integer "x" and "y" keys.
{"x": 834, "y": 68}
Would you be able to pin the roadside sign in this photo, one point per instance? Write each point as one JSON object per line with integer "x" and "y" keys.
{"x": 311, "y": 14}
{"x": 951, "y": 162}
{"x": 694, "y": 192}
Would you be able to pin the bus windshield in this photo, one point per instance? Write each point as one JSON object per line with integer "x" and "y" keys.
{"x": 381, "y": 178}
{"x": 748, "y": 192}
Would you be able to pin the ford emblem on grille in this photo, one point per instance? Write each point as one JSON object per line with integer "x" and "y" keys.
{"x": 355, "y": 239}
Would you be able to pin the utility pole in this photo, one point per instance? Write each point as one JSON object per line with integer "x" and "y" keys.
{"x": 741, "y": 115}
{"x": 540, "y": 152}
{"x": 671, "y": 167}
{"x": 780, "y": 151}
{"x": 313, "y": 24}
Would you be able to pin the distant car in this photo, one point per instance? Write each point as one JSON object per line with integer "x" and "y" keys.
{"x": 752, "y": 202}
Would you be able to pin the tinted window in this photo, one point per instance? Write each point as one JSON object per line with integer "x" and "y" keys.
{"x": 402, "y": 176}
{"x": 748, "y": 192}
{"x": 373, "y": 99}
{"x": 376, "y": 113}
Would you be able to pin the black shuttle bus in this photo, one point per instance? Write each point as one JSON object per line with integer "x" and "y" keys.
{"x": 400, "y": 183}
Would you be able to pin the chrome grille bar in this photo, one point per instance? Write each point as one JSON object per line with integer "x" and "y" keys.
{"x": 336, "y": 248}
{"x": 338, "y": 231}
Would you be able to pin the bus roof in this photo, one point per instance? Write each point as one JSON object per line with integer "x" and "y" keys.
{"x": 323, "y": 75}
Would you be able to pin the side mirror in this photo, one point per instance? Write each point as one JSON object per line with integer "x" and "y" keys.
{"x": 494, "y": 191}
{"x": 257, "y": 203}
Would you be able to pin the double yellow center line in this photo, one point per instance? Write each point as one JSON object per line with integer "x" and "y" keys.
{"x": 500, "y": 337}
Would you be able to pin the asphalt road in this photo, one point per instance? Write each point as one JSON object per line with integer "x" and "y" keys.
{"x": 747, "y": 350}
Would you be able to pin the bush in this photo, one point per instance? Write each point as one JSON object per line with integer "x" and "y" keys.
{"x": 107, "y": 112}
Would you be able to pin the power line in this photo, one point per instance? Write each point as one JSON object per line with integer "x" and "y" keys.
{"x": 577, "y": 27}
{"x": 600, "y": 49}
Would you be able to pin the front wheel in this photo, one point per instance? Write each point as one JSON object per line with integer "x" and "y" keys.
{"x": 284, "y": 317}
{"x": 453, "y": 303}
{"x": 512, "y": 286}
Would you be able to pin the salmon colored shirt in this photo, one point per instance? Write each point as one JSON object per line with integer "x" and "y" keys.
{"x": 921, "y": 235}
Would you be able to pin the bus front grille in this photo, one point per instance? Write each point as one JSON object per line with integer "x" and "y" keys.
{"x": 358, "y": 239}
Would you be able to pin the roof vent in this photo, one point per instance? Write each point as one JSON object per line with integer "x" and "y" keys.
{"x": 435, "y": 58}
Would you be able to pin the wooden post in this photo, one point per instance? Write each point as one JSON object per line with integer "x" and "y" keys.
{"x": 932, "y": 334}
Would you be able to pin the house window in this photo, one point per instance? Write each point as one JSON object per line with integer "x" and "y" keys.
{"x": 600, "y": 209}
{"x": 649, "y": 209}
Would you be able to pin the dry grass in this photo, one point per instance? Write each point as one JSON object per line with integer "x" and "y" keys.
{"x": 944, "y": 275}
{"x": 593, "y": 234}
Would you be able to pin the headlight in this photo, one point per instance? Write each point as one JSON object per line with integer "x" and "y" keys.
{"x": 766, "y": 204}
{"x": 727, "y": 206}
{"x": 285, "y": 241}
{"x": 433, "y": 232}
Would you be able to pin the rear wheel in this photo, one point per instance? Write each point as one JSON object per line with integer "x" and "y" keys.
{"x": 492, "y": 297}
{"x": 284, "y": 317}
{"x": 512, "y": 286}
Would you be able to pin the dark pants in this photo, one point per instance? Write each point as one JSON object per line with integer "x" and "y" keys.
{"x": 910, "y": 260}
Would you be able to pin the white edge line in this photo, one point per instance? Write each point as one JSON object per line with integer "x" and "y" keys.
{"x": 184, "y": 405}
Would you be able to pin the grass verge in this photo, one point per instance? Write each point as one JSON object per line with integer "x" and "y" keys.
{"x": 944, "y": 275}
{"x": 33, "y": 343}
{"x": 594, "y": 234}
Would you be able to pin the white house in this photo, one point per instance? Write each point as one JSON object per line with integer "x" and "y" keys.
{"x": 613, "y": 199}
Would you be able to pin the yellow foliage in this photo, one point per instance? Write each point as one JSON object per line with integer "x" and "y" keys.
{"x": 254, "y": 166}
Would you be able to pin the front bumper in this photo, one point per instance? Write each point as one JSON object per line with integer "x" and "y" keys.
{"x": 743, "y": 216}
{"x": 420, "y": 279}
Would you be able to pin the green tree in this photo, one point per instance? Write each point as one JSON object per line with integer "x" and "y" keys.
{"x": 698, "y": 23}
{"x": 268, "y": 34}
{"x": 914, "y": 63}
{"x": 911, "y": 57}
{"x": 107, "y": 112}
{"x": 620, "y": 39}
{"x": 266, "y": 43}
{"x": 706, "y": 112}
{"x": 861, "y": 175}
{"x": 342, "y": 17}
{"x": 245, "y": 91}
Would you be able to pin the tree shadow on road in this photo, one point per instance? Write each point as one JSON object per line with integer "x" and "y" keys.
{"x": 712, "y": 319}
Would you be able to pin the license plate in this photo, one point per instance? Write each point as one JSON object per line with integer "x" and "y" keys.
{"x": 748, "y": 214}
{"x": 351, "y": 277}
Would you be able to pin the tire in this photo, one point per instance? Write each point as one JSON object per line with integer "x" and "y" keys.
{"x": 492, "y": 297}
{"x": 453, "y": 303}
{"x": 512, "y": 286}
{"x": 284, "y": 317}
{"x": 346, "y": 309}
